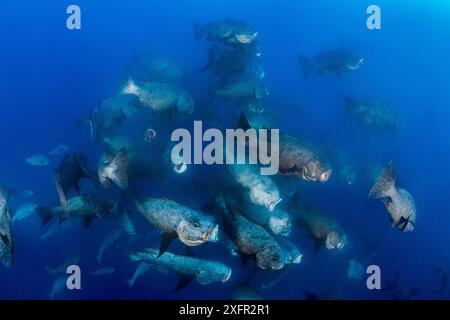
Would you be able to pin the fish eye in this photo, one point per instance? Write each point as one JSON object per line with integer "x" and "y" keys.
{"x": 276, "y": 259}
{"x": 195, "y": 224}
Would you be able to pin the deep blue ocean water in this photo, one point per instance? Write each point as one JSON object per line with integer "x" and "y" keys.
{"x": 49, "y": 76}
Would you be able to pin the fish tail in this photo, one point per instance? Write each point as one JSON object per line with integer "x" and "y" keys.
{"x": 130, "y": 282}
{"x": 119, "y": 169}
{"x": 130, "y": 88}
{"x": 384, "y": 183}
{"x": 199, "y": 31}
{"x": 45, "y": 214}
{"x": 62, "y": 199}
{"x": 306, "y": 64}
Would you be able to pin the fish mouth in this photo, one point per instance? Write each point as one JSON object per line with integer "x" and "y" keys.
{"x": 227, "y": 276}
{"x": 325, "y": 176}
{"x": 297, "y": 259}
{"x": 278, "y": 266}
{"x": 245, "y": 39}
{"x": 273, "y": 204}
{"x": 212, "y": 235}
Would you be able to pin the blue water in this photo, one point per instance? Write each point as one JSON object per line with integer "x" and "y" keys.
{"x": 49, "y": 76}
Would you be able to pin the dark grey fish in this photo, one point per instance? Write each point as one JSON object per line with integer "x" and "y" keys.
{"x": 6, "y": 235}
{"x": 71, "y": 170}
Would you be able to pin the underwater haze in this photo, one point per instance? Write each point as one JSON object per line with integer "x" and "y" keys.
{"x": 92, "y": 110}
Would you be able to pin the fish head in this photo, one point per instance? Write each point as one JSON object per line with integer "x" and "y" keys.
{"x": 335, "y": 241}
{"x": 272, "y": 257}
{"x": 105, "y": 207}
{"x": 316, "y": 170}
{"x": 280, "y": 223}
{"x": 185, "y": 104}
{"x": 266, "y": 194}
{"x": 354, "y": 62}
{"x": 197, "y": 229}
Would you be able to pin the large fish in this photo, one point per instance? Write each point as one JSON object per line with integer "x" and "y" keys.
{"x": 323, "y": 229}
{"x": 243, "y": 90}
{"x": 187, "y": 267}
{"x": 161, "y": 97}
{"x": 334, "y": 61}
{"x": 71, "y": 170}
{"x": 399, "y": 202}
{"x": 6, "y": 235}
{"x": 261, "y": 189}
{"x": 296, "y": 157}
{"x": 375, "y": 113}
{"x": 229, "y": 31}
{"x": 192, "y": 227}
{"x": 84, "y": 207}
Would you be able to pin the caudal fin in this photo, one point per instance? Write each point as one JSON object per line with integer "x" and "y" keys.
{"x": 45, "y": 214}
{"x": 307, "y": 65}
{"x": 199, "y": 31}
{"x": 243, "y": 122}
{"x": 384, "y": 183}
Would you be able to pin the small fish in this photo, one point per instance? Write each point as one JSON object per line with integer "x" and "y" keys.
{"x": 24, "y": 211}
{"x": 62, "y": 266}
{"x": 355, "y": 271}
{"x": 103, "y": 271}
{"x": 39, "y": 160}
{"x": 58, "y": 286}
{"x": 57, "y": 227}
{"x": 127, "y": 224}
{"x": 28, "y": 193}
{"x": 110, "y": 239}
{"x": 187, "y": 267}
{"x": 142, "y": 268}
{"x": 60, "y": 149}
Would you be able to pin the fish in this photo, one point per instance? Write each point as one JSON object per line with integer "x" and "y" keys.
{"x": 277, "y": 221}
{"x": 38, "y": 160}
{"x": 109, "y": 240}
{"x": 297, "y": 157}
{"x": 58, "y": 286}
{"x": 252, "y": 240}
{"x": 142, "y": 268}
{"x": 6, "y": 235}
{"x": 126, "y": 223}
{"x": 192, "y": 227}
{"x": 334, "y": 61}
{"x": 161, "y": 97}
{"x": 62, "y": 266}
{"x": 85, "y": 207}
{"x": 60, "y": 149}
{"x": 322, "y": 228}
{"x": 28, "y": 193}
{"x": 55, "y": 228}
{"x": 229, "y": 31}
{"x": 24, "y": 211}
{"x": 375, "y": 113}
{"x": 293, "y": 255}
{"x": 398, "y": 202}
{"x": 114, "y": 168}
{"x": 249, "y": 90}
{"x": 187, "y": 267}
{"x": 355, "y": 271}
{"x": 261, "y": 189}
{"x": 103, "y": 271}
{"x": 110, "y": 114}
{"x": 71, "y": 170}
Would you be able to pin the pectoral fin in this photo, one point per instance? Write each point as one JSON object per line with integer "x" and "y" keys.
{"x": 87, "y": 222}
{"x": 166, "y": 240}
{"x": 183, "y": 282}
